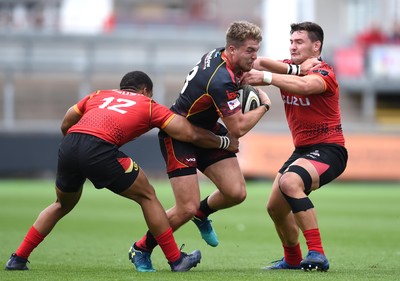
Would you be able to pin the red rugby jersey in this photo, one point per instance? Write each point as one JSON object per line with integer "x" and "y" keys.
{"x": 314, "y": 119}
{"x": 119, "y": 116}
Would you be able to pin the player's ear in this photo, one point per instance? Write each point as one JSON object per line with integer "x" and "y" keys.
{"x": 317, "y": 46}
{"x": 231, "y": 49}
{"x": 147, "y": 92}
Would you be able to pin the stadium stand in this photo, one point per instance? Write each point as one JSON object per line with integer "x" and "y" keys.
{"x": 42, "y": 71}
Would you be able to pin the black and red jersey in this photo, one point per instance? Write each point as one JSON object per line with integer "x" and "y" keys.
{"x": 119, "y": 116}
{"x": 209, "y": 92}
{"x": 314, "y": 119}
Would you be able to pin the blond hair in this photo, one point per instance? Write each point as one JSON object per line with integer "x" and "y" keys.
{"x": 239, "y": 31}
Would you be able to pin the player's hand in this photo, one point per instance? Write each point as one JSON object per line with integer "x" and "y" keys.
{"x": 253, "y": 77}
{"x": 264, "y": 98}
{"x": 309, "y": 64}
{"x": 234, "y": 143}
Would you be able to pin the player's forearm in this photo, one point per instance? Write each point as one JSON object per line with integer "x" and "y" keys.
{"x": 204, "y": 138}
{"x": 297, "y": 85}
{"x": 247, "y": 122}
{"x": 304, "y": 85}
{"x": 263, "y": 63}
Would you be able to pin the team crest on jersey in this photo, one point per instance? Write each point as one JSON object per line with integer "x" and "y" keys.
{"x": 231, "y": 95}
{"x": 323, "y": 72}
{"x": 233, "y": 103}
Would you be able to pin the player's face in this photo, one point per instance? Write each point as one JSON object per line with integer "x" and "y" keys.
{"x": 245, "y": 55}
{"x": 302, "y": 48}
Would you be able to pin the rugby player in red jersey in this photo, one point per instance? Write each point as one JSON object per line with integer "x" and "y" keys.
{"x": 94, "y": 129}
{"x": 209, "y": 93}
{"x": 311, "y": 103}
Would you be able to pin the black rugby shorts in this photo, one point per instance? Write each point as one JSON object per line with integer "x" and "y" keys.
{"x": 82, "y": 156}
{"x": 184, "y": 158}
{"x": 333, "y": 155}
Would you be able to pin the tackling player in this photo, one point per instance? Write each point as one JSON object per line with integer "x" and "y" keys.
{"x": 93, "y": 130}
{"x": 311, "y": 103}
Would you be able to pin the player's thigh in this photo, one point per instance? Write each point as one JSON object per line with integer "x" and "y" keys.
{"x": 227, "y": 176}
{"x": 312, "y": 171}
{"x": 68, "y": 200}
{"x": 186, "y": 190}
{"x": 140, "y": 189}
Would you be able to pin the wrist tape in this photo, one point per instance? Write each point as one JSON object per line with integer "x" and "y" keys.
{"x": 293, "y": 69}
{"x": 225, "y": 142}
{"x": 267, "y": 77}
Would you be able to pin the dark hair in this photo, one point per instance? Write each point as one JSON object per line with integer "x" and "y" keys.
{"x": 315, "y": 32}
{"x": 136, "y": 80}
{"x": 239, "y": 31}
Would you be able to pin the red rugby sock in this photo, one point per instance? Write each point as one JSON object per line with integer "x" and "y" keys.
{"x": 32, "y": 239}
{"x": 146, "y": 243}
{"x": 293, "y": 254}
{"x": 313, "y": 240}
{"x": 168, "y": 245}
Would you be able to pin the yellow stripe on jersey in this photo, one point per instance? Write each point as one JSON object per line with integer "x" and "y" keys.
{"x": 77, "y": 110}
{"x": 167, "y": 121}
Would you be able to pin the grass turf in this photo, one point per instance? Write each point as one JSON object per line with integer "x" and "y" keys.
{"x": 359, "y": 223}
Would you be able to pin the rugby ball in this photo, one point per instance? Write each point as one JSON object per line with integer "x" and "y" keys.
{"x": 248, "y": 97}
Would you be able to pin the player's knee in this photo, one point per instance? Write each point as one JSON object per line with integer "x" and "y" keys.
{"x": 187, "y": 211}
{"x": 147, "y": 192}
{"x": 241, "y": 196}
{"x": 295, "y": 178}
{"x": 288, "y": 181}
{"x": 238, "y": 196}
{"x": 61, "y": 209}
{"x": 271, "y": 211}
{"x": 297, "y": 204}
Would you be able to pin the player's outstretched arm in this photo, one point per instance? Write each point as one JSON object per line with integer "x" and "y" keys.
{"x": 181, "y": 129}
{"x": 301, "y": 85}
{"x": 263, "y": 63}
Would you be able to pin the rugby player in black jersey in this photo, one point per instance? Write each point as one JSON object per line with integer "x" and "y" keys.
{"x": 209, "y": 93}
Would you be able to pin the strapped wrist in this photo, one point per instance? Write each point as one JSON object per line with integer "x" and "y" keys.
{"x": 267, "y": 77}
{"x": 293, "y": 69}
{"x": 225, "y": 142}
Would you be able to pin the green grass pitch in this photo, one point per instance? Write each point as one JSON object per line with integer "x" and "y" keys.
{"x": 359, "y": 223}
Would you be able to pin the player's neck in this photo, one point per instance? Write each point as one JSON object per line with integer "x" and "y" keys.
{"x": 228, "y": 60}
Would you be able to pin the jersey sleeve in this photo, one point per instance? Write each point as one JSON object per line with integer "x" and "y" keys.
{"x": 77, "y": 110}
{"x": 160, "y": 115}
{"x": 328, "y": 76}
{"x": 80, "y": 107}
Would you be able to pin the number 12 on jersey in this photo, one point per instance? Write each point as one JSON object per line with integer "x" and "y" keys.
{"x": 116, "y": 105}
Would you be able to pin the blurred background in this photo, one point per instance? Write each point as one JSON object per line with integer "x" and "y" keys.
{"x": 53, "y": 52}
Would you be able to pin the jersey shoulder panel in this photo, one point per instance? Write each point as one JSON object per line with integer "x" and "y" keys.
{"x": 160, "y": 115}
{"x": 326, "y": 73}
